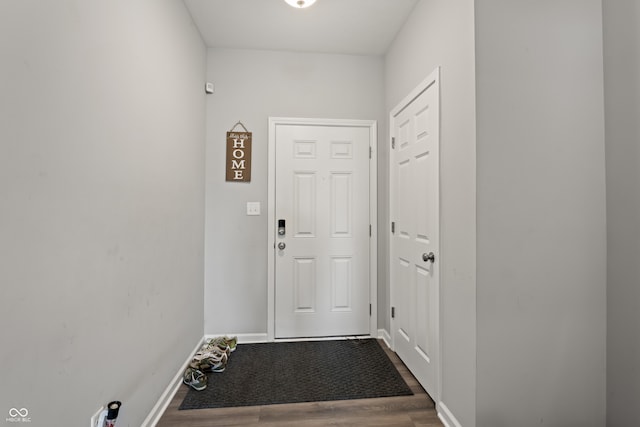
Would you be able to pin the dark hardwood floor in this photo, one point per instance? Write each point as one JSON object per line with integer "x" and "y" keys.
{"x": 404, "y": 411}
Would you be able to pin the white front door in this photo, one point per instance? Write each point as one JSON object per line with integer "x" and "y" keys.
{"x": 415, "y": 232}
{"x": 321, "y": 231}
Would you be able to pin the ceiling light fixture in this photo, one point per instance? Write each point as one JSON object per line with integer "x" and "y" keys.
{"x": 300, "y": 4}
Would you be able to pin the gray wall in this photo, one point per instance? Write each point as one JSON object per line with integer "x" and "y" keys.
{"x": 440, "y": 33}
{"x": 622, "y": 110}
{"x": 250, "y": 86}
{"x": 101, "y": 204}
{"x": 541, "y": 214}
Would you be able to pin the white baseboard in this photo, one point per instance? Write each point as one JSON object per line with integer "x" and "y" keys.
{"x": 446, "y": 416}
{"x": 384, "y": 336}
{"x": 171, "y": 390}
{"x": 242, "y": 338}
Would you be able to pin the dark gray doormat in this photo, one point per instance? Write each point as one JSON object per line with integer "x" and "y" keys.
{"x": 309, "y": 371}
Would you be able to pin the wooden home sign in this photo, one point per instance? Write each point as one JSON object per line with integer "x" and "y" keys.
{"x": 239, "y": 156}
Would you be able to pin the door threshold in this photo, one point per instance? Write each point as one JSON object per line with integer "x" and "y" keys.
{"x": 335, "y": 338}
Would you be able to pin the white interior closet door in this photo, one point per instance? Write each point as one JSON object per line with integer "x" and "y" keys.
{"x": 415, "y": 237}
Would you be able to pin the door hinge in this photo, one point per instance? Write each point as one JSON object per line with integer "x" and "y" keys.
{"x": 369, "y": 310}
{"x": 369, "y": 230}
{"x": 393, "y": 142}
{"x": 393, "y": 227}
{"x": 393, "y": 312}
{"x": 370, "y": 151}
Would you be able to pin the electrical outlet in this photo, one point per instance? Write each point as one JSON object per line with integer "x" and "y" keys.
{"x": 96, "y": 417}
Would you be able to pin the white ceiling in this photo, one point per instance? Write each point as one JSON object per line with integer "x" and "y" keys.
{"x": 359, "y": 27}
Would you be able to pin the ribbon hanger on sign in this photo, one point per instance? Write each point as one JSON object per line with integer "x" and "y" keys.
{"x": 238, "y": 124}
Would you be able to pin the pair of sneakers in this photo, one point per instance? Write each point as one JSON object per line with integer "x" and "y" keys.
{"x": 214, "y": 354}
{"x": 194, "y": 378}
{"x": 221, "y": 344}
{"x": 212, "y": 357}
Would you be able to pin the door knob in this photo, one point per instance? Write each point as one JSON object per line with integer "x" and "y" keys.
{"x": 281, "y": 246}
{"x": 429, "y": 257}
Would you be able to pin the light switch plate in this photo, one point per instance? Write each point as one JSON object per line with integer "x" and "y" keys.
{"x": 253, "y": 208}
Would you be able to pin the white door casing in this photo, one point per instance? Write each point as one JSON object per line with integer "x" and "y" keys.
{"x": 415, "y": 236}
{"x": 321, "y": 275}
